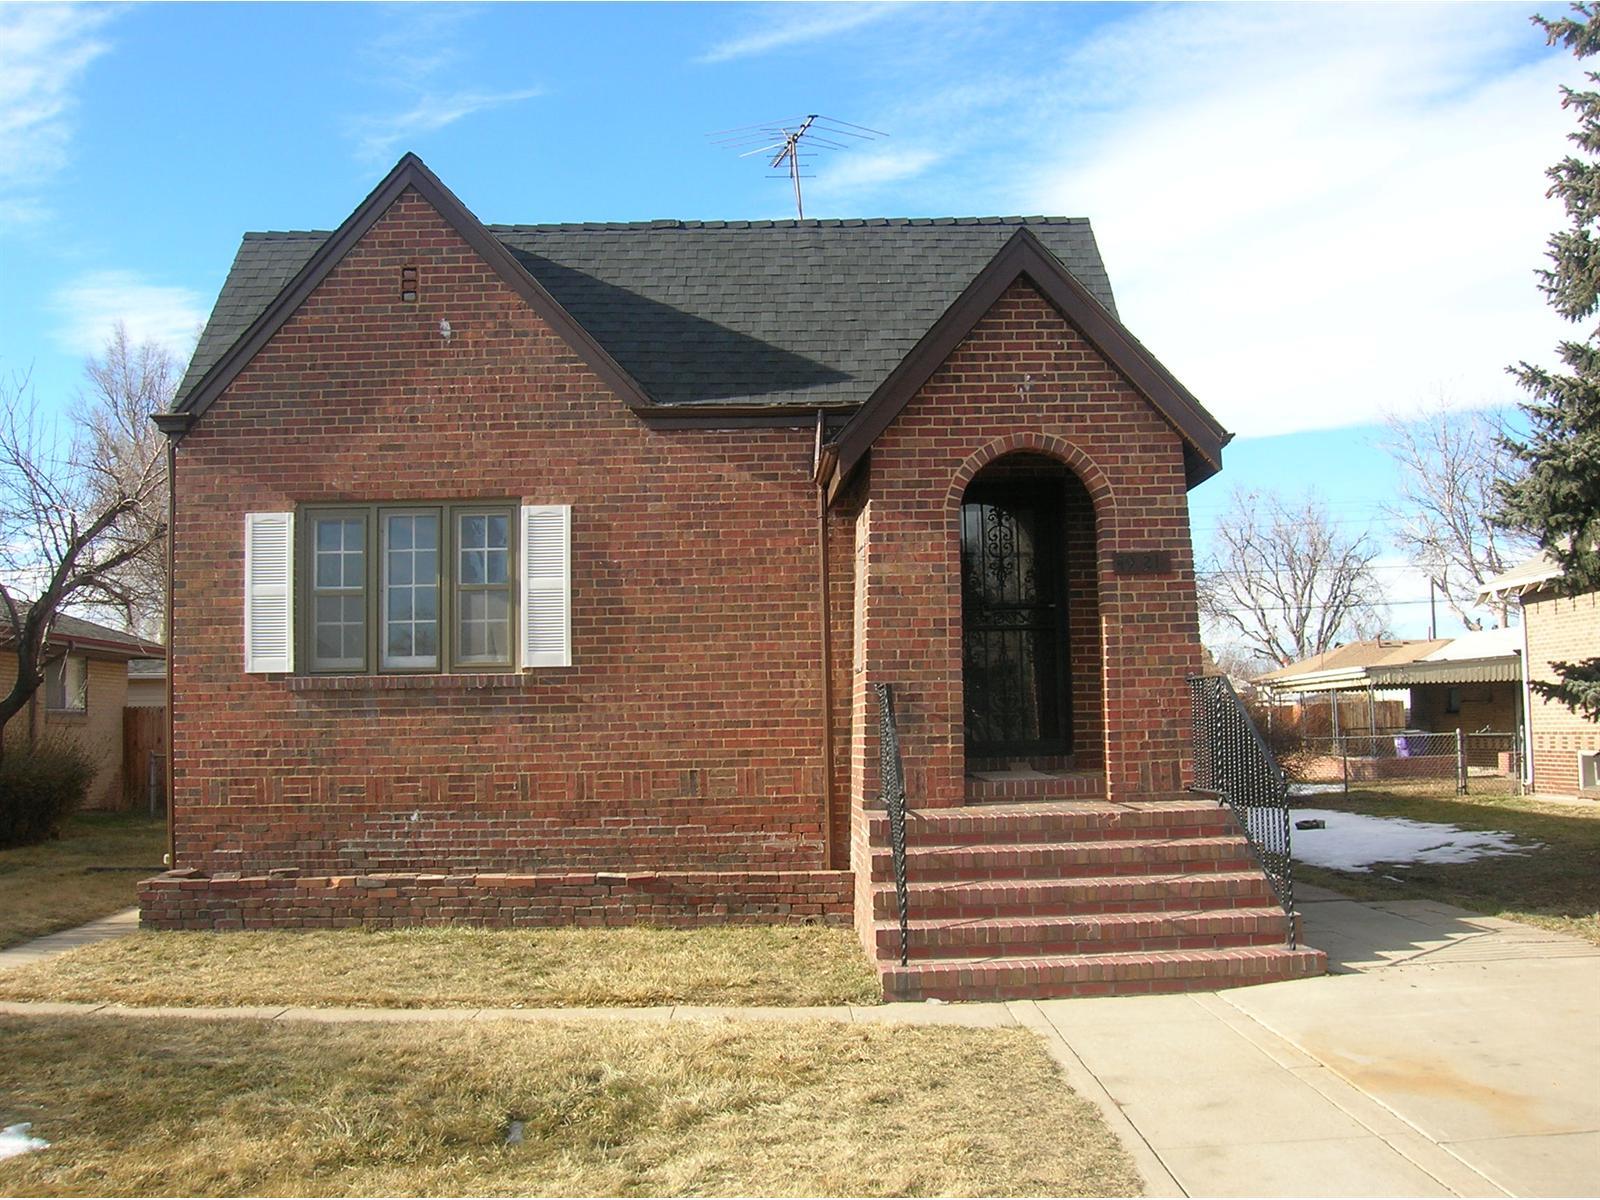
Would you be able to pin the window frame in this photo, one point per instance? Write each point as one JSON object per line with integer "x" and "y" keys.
{"x": 375, "y": 590}
{"x": 306, "y": 597}
{"x": 57, "y": 666}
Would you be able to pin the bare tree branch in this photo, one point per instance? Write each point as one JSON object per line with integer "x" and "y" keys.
{"x": 1282, "y": 584}
{"x": 82, "y": 508}
{"x": 1450, "y": 463}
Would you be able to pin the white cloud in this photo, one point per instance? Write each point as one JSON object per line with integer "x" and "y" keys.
{"x": 90, "y": 306}
{"x": 790, "y": 25}
{"x": 1319, "y": 214}
{"x": 377, "y": 138}
{"x": 858, "y": 171}
{"x": 44, "y": 51}
{"x": 421, "y": 44}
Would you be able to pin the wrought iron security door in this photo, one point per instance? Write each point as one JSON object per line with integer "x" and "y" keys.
{"x": 1013, "y": 622}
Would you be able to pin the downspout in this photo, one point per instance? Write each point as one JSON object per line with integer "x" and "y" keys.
{"x": 825, "y": 640}
{"x": 1527, "y": 699}
{"x": 172, "y": 745}
{"x": 174, "y": 425}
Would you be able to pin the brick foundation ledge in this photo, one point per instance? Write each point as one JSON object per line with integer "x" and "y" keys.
{"x": 187, "y": 899}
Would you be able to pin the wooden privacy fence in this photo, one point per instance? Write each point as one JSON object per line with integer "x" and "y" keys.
{"x": 144, "y": 759}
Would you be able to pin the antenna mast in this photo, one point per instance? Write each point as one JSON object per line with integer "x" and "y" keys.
{"x": 783, "y": 139}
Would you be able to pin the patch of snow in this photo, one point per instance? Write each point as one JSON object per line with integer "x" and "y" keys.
{"x": 14, "y": 1140}
{"x": 1315, "y": 789}
{"x": 1356, "y": 841}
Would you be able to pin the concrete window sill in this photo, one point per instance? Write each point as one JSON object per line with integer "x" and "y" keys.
{"x": 501, "y": 681}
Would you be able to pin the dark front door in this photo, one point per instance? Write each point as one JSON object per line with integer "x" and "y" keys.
{"x": 1013, "y": 622}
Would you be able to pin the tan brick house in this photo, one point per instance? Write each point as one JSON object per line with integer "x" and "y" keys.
{"x": 1563, "y": 746}
{"x": 529, "y": 574}
{"x": 83, "y": 699}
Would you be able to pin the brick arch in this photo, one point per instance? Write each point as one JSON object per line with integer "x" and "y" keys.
{"x": 1093, "y": 478}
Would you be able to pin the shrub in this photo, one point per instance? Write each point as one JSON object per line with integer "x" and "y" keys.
{"x": 40, "y": 786}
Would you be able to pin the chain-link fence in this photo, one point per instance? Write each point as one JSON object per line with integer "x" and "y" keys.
{"x": 1407, "y": 760}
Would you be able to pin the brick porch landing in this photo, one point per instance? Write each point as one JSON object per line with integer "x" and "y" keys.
{"x": 1049, "y": 898}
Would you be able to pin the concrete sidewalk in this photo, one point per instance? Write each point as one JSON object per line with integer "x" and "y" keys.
{"x": 118, "y": 924}
{"x": 1445, "y": 1054}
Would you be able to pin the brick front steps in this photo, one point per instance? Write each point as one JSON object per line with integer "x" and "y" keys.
{"x": 1030, "y": 900}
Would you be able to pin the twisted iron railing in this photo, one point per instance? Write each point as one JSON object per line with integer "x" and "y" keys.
{"x": 892, "y": 783}
{"x": 1233, "y": 763}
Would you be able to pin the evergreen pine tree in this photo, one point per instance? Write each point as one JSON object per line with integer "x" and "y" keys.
{"x": 1558, "y": 499}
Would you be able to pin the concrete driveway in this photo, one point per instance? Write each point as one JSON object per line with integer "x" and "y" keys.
{"x": 1444, "y": 1054}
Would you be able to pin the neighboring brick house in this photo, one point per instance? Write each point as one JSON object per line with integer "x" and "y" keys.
{"x": 82, "y": 700}
{"x": 529, "y": 574}
{"x": 1563, "y": 746}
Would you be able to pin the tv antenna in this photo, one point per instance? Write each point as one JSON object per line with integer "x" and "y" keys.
{"x": 789, "y": 140}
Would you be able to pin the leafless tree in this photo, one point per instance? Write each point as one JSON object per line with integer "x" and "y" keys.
{"x": 1282, "y": 583}
{"x": 125, "y": 386}
{"x": 1450, "y": 463}
{"x": 71, "y": 523}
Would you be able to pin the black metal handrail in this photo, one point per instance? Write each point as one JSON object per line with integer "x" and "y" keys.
{"x": 1232, "y": 762}
{"x": 892, "y": 785}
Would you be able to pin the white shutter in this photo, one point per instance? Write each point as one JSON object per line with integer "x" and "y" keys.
{"x": 546, "y": 585}
{"x": 269, "y": 592}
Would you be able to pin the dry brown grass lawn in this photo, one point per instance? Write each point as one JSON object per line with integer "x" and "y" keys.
{"x": 165, "y": 1107}
{"x": 1555, "y": 886}
{"x": 463, "y": 967}
{"x": 54, "y": 885}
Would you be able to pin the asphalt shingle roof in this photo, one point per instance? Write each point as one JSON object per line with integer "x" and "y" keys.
{"x": 811, "y": 313}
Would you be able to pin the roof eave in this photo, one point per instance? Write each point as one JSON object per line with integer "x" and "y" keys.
{"x": 1024, "y": 256}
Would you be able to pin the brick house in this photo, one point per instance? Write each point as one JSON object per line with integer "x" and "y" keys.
{"x": 1563, "y": 746}
{"x": 533, "y": 574}
{"x": 83, "y": 700}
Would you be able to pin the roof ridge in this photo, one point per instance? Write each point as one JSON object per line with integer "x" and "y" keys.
{"x": 822, "y": 223}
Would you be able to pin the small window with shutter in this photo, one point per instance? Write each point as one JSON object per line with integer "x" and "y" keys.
{"x": 406, "y": 588}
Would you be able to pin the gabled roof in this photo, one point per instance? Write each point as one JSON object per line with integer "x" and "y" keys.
{"x": 204, "y": 383}
{"x": 765, "y": 315}
{"x": 691, "y": 319}
{"x": 90, "y": 635}
{"x": 1025, "y": 257}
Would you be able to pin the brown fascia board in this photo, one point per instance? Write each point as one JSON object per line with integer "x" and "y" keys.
{"x": 409, "y": 172}
{"x": 1024, "y": 255}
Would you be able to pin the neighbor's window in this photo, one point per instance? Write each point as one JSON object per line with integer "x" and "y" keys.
{"x": 67, "y": 684}
{"x": 411, "y": 589}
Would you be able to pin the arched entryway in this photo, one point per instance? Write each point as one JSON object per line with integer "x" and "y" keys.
{"x": 1031, "y": 650}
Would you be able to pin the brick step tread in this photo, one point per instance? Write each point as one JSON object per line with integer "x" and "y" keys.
{"x": 1141, "y": 856}
{"x": 1008, "y": 937}
{"x": 1081, "y": 894}
{"x": 1060, "y": 821}
{"x": 1042, "y": 976}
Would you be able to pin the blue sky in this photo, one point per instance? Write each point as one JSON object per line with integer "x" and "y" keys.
{"x": 1316, "y": 215}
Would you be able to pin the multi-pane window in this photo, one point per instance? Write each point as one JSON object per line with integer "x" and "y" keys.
{"x": 67, "y": 684}
{"x": 413, "y": 588}
{"x": 338, "y": 591}
{"x": 483, "y": 587}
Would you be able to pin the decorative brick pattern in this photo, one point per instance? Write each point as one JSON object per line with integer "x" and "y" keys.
{"x": 286, "y": 900}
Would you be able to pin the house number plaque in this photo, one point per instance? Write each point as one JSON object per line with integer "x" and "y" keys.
{"x": 1142, "y": 562}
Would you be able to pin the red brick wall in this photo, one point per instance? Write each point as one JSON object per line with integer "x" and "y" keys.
{"x": 179, "y": 900}
{"x": 1026, "y": 381}
{"x": 1560, "y": 629}
{"x": 686, "y": 736}
{"x": 687, "y": 733}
